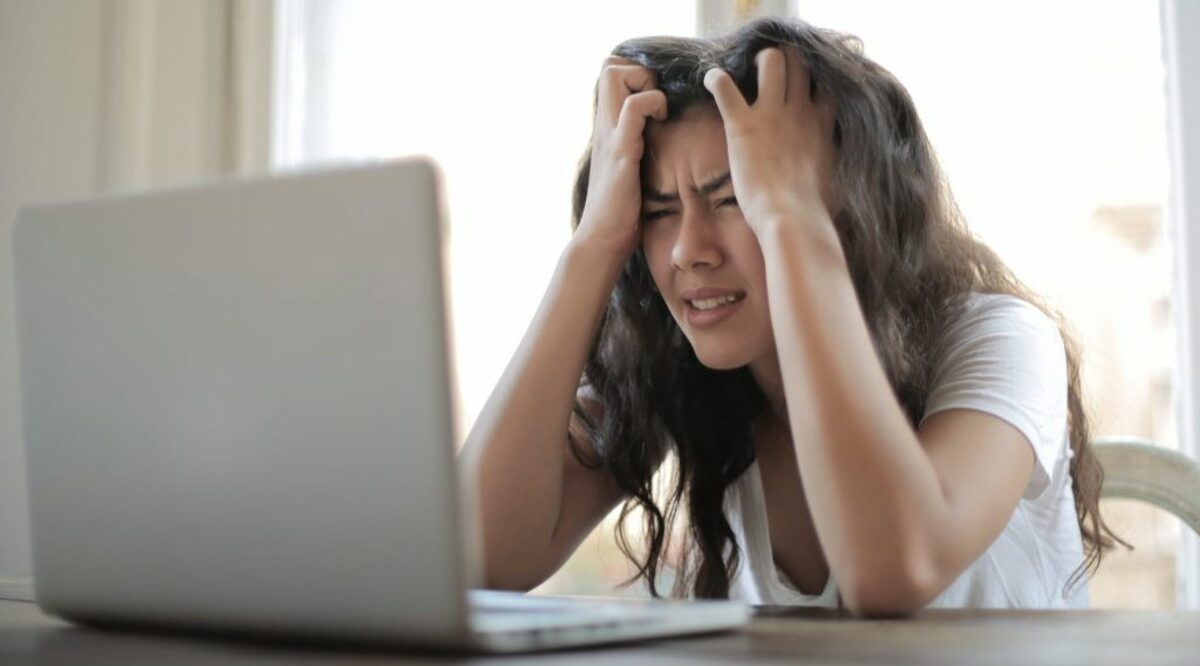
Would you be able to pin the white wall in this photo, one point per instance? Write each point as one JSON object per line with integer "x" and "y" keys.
{"x": 108, "y": 95}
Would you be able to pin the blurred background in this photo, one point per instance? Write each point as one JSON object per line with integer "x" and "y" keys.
{"x": 1050, "y": 119}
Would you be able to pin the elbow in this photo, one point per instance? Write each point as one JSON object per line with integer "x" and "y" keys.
{"x": 511, "y": 570}
{"x": 889, "y": 590}
{"x": 507, "y": 584}
{"x": 511, "y": 580}
{"x": 877, "y": 605}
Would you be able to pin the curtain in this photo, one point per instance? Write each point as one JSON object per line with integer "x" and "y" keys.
{"x": 108, "y": 96}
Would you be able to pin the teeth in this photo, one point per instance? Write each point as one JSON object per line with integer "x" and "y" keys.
{"x": 710, "y": 303}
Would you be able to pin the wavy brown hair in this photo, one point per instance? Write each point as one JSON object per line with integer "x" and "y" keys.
{"x": 913, "y": 263}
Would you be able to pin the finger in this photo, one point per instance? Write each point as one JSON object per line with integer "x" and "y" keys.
{"x": 596, "y": 90}
{"x": 637, "y": 108}
{"x": 618, "y": 60}
{"x": 772, "y": 77}
{"x": 729, "y": 99}
{"x": 798, "y": 81}
{"x": 616, "y": 83}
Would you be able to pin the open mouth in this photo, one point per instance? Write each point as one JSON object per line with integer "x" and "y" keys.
{"x": 710, "y": 311}
{"x": 707, "y": 304}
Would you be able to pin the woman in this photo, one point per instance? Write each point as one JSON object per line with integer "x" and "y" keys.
{"x": 768, "y": 277}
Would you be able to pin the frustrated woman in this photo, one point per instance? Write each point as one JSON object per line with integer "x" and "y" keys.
{"x": 769, "y": 278}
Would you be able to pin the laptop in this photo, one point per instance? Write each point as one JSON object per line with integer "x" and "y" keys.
{"x": 239, "y": 417}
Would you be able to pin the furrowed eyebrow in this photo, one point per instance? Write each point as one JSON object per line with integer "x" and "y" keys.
{"x": 651, "y": 194}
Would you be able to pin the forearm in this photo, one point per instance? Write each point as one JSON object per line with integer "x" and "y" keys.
{"x": 873, "y": 492}
{"x": 513, "y": 456}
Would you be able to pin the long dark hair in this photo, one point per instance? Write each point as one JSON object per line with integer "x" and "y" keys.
{"x": 913, "y": 263}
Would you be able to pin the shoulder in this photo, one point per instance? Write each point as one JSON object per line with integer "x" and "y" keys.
{"x": 1001, "y": 337}
{"x": 999, "y": 328}
{"x": 991, "y": 314}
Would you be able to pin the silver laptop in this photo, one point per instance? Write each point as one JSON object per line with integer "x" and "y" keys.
{"x": 239, "y": 413}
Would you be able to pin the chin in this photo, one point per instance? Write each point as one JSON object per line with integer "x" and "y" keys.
{"x": 721, "y": 359}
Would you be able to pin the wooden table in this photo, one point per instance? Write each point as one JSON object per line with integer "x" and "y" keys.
{"x": 793, "y": 636}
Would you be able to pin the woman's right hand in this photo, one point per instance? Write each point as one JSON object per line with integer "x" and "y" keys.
{"x": 627, "y": 96}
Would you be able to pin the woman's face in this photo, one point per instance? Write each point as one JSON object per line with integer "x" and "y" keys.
{"x": 704, "y": 258}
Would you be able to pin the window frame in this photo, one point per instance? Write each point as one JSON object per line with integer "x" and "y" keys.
{"x": 1181, "y": 59}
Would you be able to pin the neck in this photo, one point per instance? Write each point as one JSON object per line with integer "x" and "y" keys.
{"x": 769, "y": 378}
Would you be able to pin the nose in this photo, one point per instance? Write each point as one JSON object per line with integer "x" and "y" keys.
{"x": 696, "y": 245}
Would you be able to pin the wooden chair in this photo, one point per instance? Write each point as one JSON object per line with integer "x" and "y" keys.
{"x": 1137, "y": 469}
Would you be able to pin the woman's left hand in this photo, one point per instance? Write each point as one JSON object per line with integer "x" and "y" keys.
{"x": 781, "y": 151}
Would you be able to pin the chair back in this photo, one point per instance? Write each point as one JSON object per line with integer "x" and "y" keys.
{"x": 1136, "y": 469}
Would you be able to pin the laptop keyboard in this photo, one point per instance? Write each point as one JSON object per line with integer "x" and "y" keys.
{"x": 494, "y": 601}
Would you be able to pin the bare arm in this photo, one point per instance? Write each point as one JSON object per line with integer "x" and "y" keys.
{"x": 899, "y": 513}
{"x": 536, "y": 501}
{"x": 517, "y": 456}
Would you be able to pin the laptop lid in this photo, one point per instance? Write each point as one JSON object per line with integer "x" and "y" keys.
{"x": 238, "y": 406}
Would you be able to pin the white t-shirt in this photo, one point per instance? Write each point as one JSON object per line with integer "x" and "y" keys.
{"x": 1006, "y": 358}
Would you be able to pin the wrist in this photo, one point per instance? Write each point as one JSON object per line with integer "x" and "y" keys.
{"x": 810, "y": 230}
{"x": 597, "y": 254}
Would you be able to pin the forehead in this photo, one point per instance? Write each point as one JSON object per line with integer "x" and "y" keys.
{"x": 691, "y": 146}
